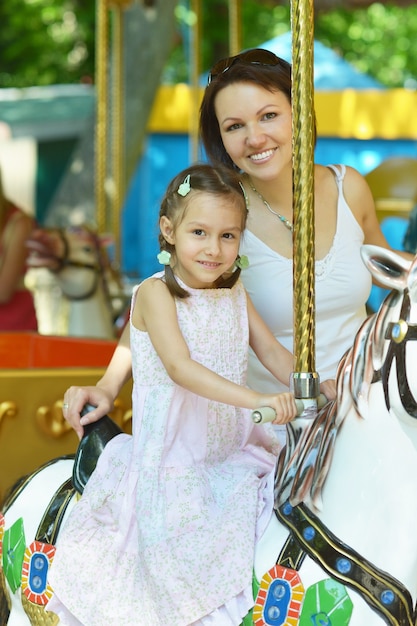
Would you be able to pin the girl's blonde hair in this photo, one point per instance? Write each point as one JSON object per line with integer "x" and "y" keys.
{"x": 219, "y": 181}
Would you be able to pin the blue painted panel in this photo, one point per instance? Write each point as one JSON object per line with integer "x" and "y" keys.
{"x": 164, "y": 157}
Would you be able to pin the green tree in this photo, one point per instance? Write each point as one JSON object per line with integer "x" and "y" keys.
{"x": 45, "y": 42}
{"x": 377, "y": 38}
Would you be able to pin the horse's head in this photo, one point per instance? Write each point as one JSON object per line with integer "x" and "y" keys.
{"x": 392, "y": 336}
{"x": 384, "y": 351}
{"x": 77, "y": 256}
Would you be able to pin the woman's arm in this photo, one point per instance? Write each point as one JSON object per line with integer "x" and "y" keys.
{"x": 104, "y": 393}
{"x": 277, "y": 359}
{"x": 359, "y": 197}
{"x": 155, "y": 312}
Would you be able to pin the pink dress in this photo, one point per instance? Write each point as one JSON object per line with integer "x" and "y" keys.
{"x": 166, "y": 529}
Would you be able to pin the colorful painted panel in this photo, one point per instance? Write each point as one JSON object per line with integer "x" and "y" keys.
{"x": 279, "y": 598}
{"x": 36, "y": 563}
{"x": 326, "y": 603}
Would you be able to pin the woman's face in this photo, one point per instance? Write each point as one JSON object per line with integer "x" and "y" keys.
{"x": 256, "y": 128}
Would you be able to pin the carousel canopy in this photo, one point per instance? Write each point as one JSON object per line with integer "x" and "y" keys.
{"x": 331, "y": 71}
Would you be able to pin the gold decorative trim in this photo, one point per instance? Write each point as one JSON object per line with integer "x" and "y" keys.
{"x": 51, "y": 421}
{"x": 8, "y": 409}
{"x": 37, "y": 614}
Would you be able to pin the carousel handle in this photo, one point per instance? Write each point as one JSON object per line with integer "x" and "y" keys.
{"x": 267, "y": 413}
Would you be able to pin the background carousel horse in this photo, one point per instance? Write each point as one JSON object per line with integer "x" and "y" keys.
{"x": 77, "y": 261}
{"x": 341, "y": 548}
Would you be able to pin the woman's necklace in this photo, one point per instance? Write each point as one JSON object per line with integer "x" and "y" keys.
{"x": 283, "y": 219}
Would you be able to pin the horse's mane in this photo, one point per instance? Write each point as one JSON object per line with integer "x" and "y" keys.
{"x": 305, "y": 460}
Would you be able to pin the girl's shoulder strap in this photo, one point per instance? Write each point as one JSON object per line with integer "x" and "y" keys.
{"x": 340, "y": 174}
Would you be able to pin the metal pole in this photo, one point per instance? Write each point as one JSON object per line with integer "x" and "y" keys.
{"x": 305, "y": 378}
{"x": 235, "y": 27}
{"x": 102, "y": 47}
{"x": 118, "y": 130}
{"x": 195, "y": 77}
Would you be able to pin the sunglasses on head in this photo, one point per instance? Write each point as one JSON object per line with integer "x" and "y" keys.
{"x": 251, "y": 57}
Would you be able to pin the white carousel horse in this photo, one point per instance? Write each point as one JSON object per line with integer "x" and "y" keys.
{"x": 78, "y": 261}
{"x": 345, "y": 524}
{"x": 341, "y": 546}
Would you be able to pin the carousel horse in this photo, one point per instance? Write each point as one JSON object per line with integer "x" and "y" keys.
{"x": 341, "y": 547}
{"x": 77, "y": 259}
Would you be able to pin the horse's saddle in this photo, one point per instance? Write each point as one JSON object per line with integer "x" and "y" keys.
{"x": 95, "y": 438}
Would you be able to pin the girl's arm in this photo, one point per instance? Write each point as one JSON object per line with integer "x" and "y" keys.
{"x": 272, "y": 354}
{"x": 156, "y": 313}
{"x": 104, "y": 393}
{"x": 277, "y": 359}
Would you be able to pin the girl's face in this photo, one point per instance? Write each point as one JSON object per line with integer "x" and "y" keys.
{"x": 206, "y": 240}
{"x": 256, "y": 128}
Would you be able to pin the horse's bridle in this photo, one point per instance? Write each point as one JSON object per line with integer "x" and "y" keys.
{"x": 309, "y": 536}
{"x": 65, "y": 262}
{"x": 399, "y": 333}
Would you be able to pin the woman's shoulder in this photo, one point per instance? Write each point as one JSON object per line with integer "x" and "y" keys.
{"x": 344, "y": 172}
{"x": 350, "y": 177}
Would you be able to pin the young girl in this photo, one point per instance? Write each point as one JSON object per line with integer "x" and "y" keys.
{"x": 165, "y": 531}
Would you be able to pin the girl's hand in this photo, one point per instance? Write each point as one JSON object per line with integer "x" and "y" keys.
{"x": 75, "y": 398}
{"x": 328, "y": 388}
{"x": 283, "y": 404}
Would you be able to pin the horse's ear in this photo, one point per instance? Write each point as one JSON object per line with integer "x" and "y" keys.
{"x": 387, "y": 267}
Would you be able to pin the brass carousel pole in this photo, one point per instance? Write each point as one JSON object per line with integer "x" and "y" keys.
{"x": 117, "y": 188}
{"x": 235, "y": 27}
{"x": 195, "y": 77}
{"x": 305, "y": 378}
{"x": 102, "y": 54}
{"x": 117, "y": 126}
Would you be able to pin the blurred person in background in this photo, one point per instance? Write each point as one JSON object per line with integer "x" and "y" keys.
{"x": 17, "y": 309}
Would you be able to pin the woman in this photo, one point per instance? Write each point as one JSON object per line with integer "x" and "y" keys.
{"x": 17, "y": 310}
{"x": 246, "y": 124}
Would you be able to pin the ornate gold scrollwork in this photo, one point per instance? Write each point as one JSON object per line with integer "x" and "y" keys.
{"x": 51, "y": 421}
{"x": 8, "y": 409}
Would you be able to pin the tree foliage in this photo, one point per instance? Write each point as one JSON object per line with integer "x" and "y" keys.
{"x": 44, "y": 42}
{"x": 377, "y": 38}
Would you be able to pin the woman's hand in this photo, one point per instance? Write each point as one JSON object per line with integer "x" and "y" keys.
{"x": 283, "y": 404}
{"x": 75, "y": 399}
{"x": 328, "y": 389}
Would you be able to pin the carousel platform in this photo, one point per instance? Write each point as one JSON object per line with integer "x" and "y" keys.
{"x": 35, "y": 371}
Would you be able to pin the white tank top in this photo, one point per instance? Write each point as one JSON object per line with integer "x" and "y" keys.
{"x": 342, "y": 288}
